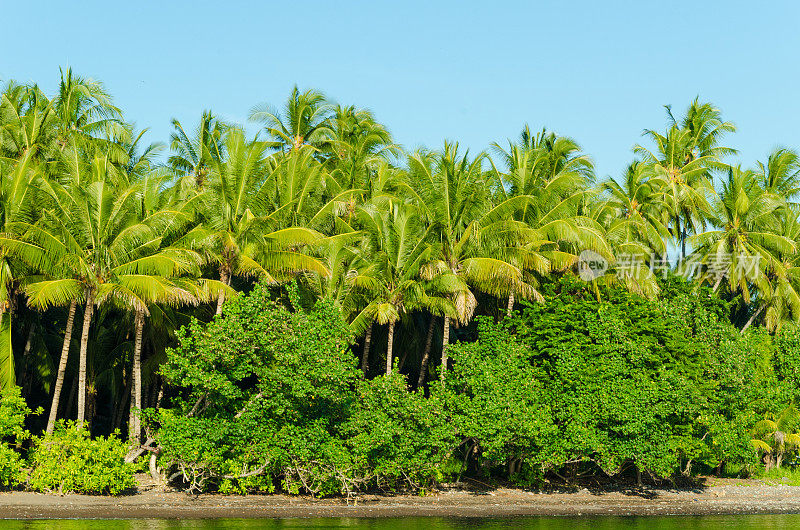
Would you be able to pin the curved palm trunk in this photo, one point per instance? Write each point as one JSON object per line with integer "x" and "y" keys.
{"x": 160, "y": 395}
{"x": 753, "y": 318}
{"x": 26, "y": 353}
{"x": 225, "y": 278}
{"x": 62, "y": 368}
{"x": 365, "y": 353}
{"x": 8, "y": 376}
{"x": 445, "y": 342}
{"x": 389, "y": 349}
{"x": 136, "y": 401}
{"x": 426, "y": 356}
{"x": 119, "y": 412}
{"x": 510, "y": 306}
{"x": 87, "y": 321}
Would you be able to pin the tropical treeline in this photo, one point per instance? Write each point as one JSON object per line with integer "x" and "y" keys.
{"x": 109, "y": 245}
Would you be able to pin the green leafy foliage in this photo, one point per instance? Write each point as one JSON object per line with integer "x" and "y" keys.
{"x": 70, "y": 461}
{"x": 274, "y": 399}
{"x": 266, "y": 387}
{"x": 660, "y": 384}
{"x": 398, "y": 437}
{"x": 496, "y": 401}
{"x": 12, "y": 432}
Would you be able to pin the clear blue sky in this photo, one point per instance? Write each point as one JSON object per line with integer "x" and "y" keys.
{"x": 470, "y": 71}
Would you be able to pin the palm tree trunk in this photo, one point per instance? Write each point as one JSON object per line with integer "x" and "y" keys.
{"x": 445, "y": 342}
{"x": 426, "y": 356}
{"x": 160, "y": 394}
{"x": 131, "y": 404}
{"x": 365, "y": 353}
{"x": 62, "y": 368}
{"x": 752, "y": 318}
{"x": 510, "y": 307}
{"x": 136, "y": 401}
{"x": 25, "y": 376}
{"x": 683, "y": 245}
{"x": 389, "y": 348}
{"x": 225, "y": 278}
{"x": 123, "y": 404}
{"x": 91, "y": 404}
{"x": 87, "y": 321}
{"x": 73, "y": 390}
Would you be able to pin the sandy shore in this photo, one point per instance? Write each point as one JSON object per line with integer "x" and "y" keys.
{"x": 730, "y": 497}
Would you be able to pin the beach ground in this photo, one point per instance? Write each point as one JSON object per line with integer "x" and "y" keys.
{"x": 720, "y": 496}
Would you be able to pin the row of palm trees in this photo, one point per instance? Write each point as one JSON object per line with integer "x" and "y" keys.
{"x": 98, "y": 224}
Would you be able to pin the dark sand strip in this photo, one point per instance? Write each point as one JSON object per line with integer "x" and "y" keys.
{"x": 728, "y": 499}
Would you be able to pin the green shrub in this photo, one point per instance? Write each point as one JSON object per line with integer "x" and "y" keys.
{"x": 12, "y": 432}
{"x": 495, "y": 400}
{"x": 70, "y": 461}
{"x": 663, "y": 384}
{"x": 280, "y": 403}
{"x": 398, "y": 438}
{"x": 273, "y": 386}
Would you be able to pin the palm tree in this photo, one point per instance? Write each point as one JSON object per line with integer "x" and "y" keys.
{"x": 104, "y": 253}
{"x": 83, "y": 108}
{"x": 301, "y": 123}
{"x": 194, "y": 156}
{"x": 470, "y": 236}
{"x": 543, "y": 184}
{"x": 353, "y": 146}
{"x": 683, "y": 159}
{"x": 638, "y": 203}
{"x": 782, "y": 298}
{"x": 744, "y": 243}
{"x": 26, "y": 123}
{"x": 153, "y": 287}
{"x": 776, "y": 435}
{"x": 781, "y": 174}
{"x": 242, "y": 232}
{"x": 17, "y": 206}
{"x": 398, "y": 255}
{"x": 706, "y": 129}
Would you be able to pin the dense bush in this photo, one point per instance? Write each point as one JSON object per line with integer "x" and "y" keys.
{"x": 494, "y": 398}
{"x": 397, "y": 437}
{"x": 612, "y": 380}
{"x": 590, "y": 381}
{"x": 273, "y": 397}
{"x": 662, "y": 384}
{"x": 12, "y": 432}
{"x": 70, "y": 461}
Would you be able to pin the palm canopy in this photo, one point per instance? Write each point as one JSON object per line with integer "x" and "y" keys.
{"x": 82, "y": 107}
{"x": 684, "y": 159}
{"x": 781, "y": 301}
{"x": 396, "y": 272}
{"x": 354, "y": 144}
{"x": 396, "y": 269}
{"x": 744, "y": 244}
{"x": 302, "y": 121}
{"x": 94, "y": 243}
{"x": 26, "y": 123}
{"x": 777, "y": 434}
{"x": 781, "y": 173}
{"x": 706, "y": 128}
{"x": 241, "y": 231}
{"x": 453, "y": 192}
{"x": 193, "y": 156}
{"x": 542, "y": 186}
